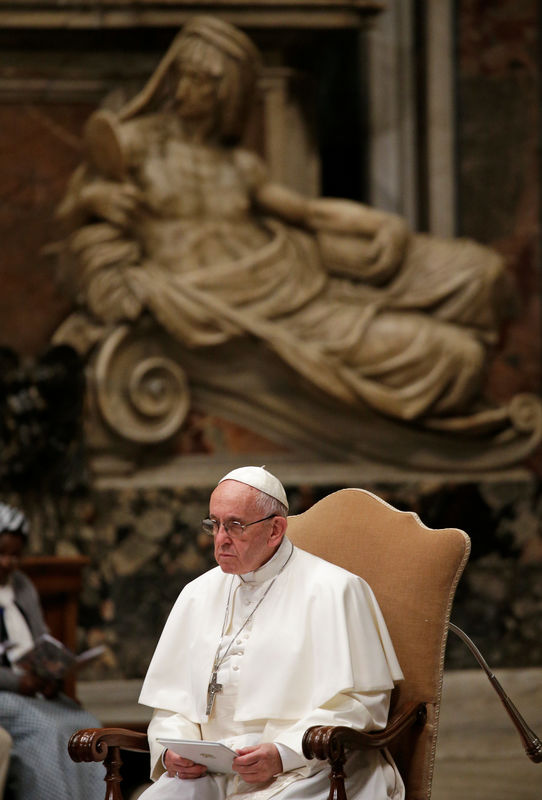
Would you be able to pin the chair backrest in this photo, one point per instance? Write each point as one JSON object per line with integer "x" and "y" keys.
{"x": 413, "y": 571}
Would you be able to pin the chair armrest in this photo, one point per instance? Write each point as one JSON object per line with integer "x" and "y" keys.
{"x": 92, "y": 744}
{"x": 104, "y": 744}
{"x": 329, "y": 743}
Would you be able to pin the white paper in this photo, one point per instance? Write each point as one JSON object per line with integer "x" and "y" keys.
{"x": 214, "y": 755}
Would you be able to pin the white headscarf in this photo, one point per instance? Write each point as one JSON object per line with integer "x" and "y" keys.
{"x": 12, "y": 520}
{"x": 17, "y": 629}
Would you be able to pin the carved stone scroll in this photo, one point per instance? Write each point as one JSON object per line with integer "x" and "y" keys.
{"x": 141, "y": 390}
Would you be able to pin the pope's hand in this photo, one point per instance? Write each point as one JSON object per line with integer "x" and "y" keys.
{"x": 258, "y": 764}
{"x": 182, "y": 767}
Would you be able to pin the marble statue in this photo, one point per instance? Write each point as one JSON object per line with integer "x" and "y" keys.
{"x": 173, "y": 229}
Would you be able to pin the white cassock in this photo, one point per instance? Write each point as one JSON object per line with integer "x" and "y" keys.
{"x": 315, "y": 652}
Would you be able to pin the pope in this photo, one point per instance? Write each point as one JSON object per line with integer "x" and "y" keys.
{"x": 268, "y": 643}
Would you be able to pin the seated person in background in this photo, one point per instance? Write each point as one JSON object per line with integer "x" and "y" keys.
{"x": 260, "y": 648}
{"x": 39, "y": 718}
{"x": 5, "y": 753}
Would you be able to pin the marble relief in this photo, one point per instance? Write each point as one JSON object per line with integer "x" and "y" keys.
{"x": 199, "y": 281}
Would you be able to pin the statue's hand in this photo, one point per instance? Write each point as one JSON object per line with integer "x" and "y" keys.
{"x": 110, "y": 298}
{"x": 361, "y": 241}
{"x": 93, "y": 251}
{"x": 388, "y": 246}
{"x": 339, "y": 216}
{"x": 112, "y": 201}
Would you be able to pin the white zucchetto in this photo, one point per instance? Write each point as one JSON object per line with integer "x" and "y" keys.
{"x": 258, "y": 478}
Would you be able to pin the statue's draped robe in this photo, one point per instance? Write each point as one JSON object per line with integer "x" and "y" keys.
{"x": 410, "y": 341}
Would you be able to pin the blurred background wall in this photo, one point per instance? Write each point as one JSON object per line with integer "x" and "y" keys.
{"x": 431, "y": 110}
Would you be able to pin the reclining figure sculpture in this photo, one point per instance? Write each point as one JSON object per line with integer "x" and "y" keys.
{"x": 170, "y": 220}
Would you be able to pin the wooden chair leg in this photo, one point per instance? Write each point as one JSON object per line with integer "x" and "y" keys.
{"x": 113, "y": 778}
{"x": 336, "y": 779}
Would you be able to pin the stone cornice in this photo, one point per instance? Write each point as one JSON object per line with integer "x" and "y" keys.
{"x": 101, "y": 14}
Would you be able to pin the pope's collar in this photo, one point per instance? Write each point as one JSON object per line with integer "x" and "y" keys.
{"x": 272, "y": 567}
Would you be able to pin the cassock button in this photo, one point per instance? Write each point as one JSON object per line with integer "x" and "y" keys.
{"x": 236, "y": 667}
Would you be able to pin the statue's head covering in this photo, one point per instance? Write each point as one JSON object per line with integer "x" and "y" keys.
{"x": 261, "y": 479}
{"x": 12, "y": 520}
{"x": 216, "y": 47}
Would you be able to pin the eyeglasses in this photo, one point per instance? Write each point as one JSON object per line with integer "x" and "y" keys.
{"x": 233, "y": 529}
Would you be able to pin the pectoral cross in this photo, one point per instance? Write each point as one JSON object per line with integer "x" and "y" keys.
{"x": 212, "y": 690}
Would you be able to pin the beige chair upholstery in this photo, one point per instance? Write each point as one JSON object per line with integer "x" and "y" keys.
{"x": 413, "y": 571}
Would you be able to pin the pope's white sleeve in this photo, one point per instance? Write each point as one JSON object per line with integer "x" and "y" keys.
{"x": 167, "y": 725}
{"x": 364, "y": 711}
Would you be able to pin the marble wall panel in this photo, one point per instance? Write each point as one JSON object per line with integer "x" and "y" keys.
{"x": 498, "y": 141}
{"x": 39, "y": 148}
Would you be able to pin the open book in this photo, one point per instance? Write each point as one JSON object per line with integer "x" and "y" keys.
{"x": 50, "y": 659}
{"x": 215, "y": 755}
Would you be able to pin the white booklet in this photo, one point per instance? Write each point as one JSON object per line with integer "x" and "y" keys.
{"x": 216, "y": 756}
